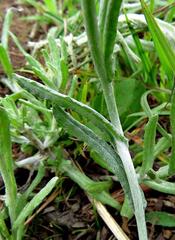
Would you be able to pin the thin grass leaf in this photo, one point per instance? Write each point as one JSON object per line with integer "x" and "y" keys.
{"x": 149, "y": 144}
{"x": 6, "y": 27}
{"x": 172, "y": 121}
{"x": 39, "y": 71}
{"x": 86, "y": 183}
{"x": 54, "y": 51}
{"x": 149, "y": 112}
{"x": 43, "y": 76}
{"x": 5, "y": 61}
{"x": 161, "y": 146}
{"x": 18, "y": 44}
{"x": 34, "y": 64}
{"x": 73, "y": 86}
{"x": 145, "y": 105}
{"x": 35, "y": 202}
{"x": 142, "y": 54}
{"x": 95, "y": 44}
{"x": 131, "y": 57}
{"x": 109, "y": 34}
{"x": 163, "y": 47}
{"x": 161, "y": 218}
{"x": 36, "y": 181}
{"x": 65, "y": 101}
{"x": 64, "y": 64}
{"x": 64, "y": 74}
{"x": 161, "y": 186}
{"x": 3, "y": 229}
{"x": 6, "y": 165}
{"x": 102, "y": 16}
{"x": 84, "y": 92}
{"x": 96, "y": 47}
{"x": 126, "y": 210}
{"x": 51, "y": 5}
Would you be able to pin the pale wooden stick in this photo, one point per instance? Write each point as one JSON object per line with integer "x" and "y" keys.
{"x": 110, "y": 222}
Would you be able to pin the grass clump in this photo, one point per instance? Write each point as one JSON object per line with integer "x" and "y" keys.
{"x": 102, "y": 72}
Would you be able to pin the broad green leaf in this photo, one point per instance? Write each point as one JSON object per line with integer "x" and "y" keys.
{"x": 161, "y": 218}
{"x": 131, "y": 101}
{"x": 35, "y": 202}
{"x": 104, "y": 150}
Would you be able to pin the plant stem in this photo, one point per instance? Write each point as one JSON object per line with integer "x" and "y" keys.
{"x": 108, "y": 92}
{"x": 122, "y": 148}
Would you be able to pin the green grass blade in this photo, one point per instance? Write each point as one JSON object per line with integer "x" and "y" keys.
{"x": 149, "y": 144}
{"x": 163, "y": 47}
{"x": 145, "y": 105}
{"x": 163, "y": 144}
{"x": 172, "y": 121}
{"x": 161, "y": 218}
{"x": 126, "y": 211}
{"x": 95, "y": 44}
{"x": 16, "y": 41}
{"x": 34, "y": 64}
{"x": 3, "y": 229}
{"x": 161, "y": 186}
{"x": 35, "y": 202}
{"x": 51, "y": 6}
{"x": 5, "y": 61}
{"x": 109, "y": 34}
{"x": 6, "y": 27}
{"x": 6, "y": 164}
{"x": 65, "y": 101}
{"x": 142, "y": 54}
{"x": 36, "y": 181}
{"x": 102, "y": 16}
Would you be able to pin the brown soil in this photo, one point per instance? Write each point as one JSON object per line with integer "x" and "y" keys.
{"x": 19, "y": 27}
